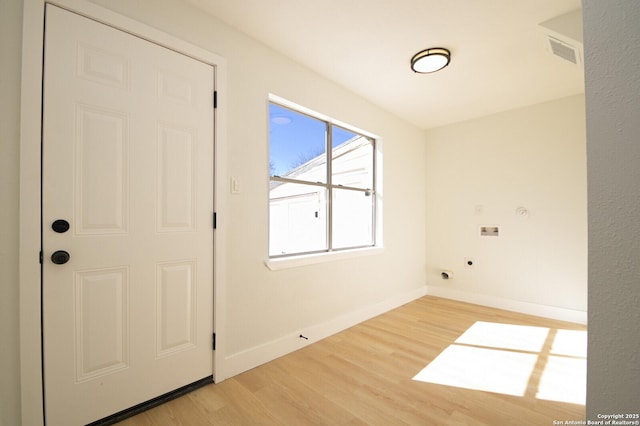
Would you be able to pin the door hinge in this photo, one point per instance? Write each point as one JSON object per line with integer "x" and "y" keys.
{"x": 215, "y": 99}
{"x": 41, "y": 257}
{"x": 214, "y": 342}
{"x": 215, "y": 220}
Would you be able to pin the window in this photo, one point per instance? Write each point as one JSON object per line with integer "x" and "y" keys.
{"x": 322, "y": 194}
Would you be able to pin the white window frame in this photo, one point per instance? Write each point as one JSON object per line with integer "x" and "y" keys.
{"x": 289, "y": 260}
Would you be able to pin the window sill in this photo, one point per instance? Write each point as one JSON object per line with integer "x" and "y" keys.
{"x": 312, "y": 259}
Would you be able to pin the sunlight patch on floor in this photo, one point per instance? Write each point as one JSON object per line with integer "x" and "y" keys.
{"x": 564, "y": 380}
{"x": 564, "y": 377}
{"x": 570, "y": 343}
{"x": 482, "y": 369}
{"x": 502, "y": 358}
{"x": 505, "y": 336}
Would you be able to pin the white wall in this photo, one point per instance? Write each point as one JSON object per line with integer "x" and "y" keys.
{"x": 612, "y": 64}
{"x": 10, "y": 47}
{"x": 265, "y": 306}
{"x": 478, "y": 173}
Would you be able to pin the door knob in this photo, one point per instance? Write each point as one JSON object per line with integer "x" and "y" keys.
{"x": 60, "y": 226}
{"x": 60, "y": 257}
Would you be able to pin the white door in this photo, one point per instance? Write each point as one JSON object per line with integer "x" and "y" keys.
{"x": 128, "y": 164}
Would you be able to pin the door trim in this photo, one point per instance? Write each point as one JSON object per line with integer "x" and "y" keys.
{"x": 30, "y": 281}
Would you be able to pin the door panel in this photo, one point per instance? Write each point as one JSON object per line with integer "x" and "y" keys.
{"x": 102, "y": 322}
{"x": 176, "y": 307}
{"x": 176, "y": 168}
{"x": 102, "y": 171}
{"x": 128, "y": 162}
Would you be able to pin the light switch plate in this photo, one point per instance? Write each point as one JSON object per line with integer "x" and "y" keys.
{"x": 235, "y": 185}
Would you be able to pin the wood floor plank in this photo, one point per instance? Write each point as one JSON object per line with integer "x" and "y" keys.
{"x": 365, "y": 376}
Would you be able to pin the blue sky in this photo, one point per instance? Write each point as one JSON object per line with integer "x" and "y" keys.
{"x": 295, "y": 137}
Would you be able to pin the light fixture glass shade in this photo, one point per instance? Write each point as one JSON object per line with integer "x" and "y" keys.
{"x": 430, "y": 60}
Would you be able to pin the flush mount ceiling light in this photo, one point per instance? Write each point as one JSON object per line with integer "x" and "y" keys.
{"x": 430, "y": 60}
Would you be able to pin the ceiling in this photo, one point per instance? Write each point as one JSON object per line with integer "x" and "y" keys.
{"x": 500, "y": 58}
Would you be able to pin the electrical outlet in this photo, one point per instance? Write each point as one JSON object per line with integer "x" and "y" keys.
{"x": 489, "y": 231}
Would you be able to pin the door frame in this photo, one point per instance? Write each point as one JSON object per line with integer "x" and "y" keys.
{"x": 30, "y": 279}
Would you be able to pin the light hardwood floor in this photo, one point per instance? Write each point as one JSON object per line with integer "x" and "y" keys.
{"x": 364, "y": 376}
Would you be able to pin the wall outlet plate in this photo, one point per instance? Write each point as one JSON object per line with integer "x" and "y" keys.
{"x": 490, "y": 231}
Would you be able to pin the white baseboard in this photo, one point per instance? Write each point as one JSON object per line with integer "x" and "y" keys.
{"x": 242, "y": 361}
{"x": 553, "y": 312}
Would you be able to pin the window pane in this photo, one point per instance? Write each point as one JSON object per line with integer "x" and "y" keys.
{"x": 297, "y": 145}
{"x": 297, "y": 218}
{"x": 352, "y": 159}
{"x": 352, "y": 218}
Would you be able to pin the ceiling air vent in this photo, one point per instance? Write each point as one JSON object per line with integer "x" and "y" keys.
{"x": 564, "y": 50}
